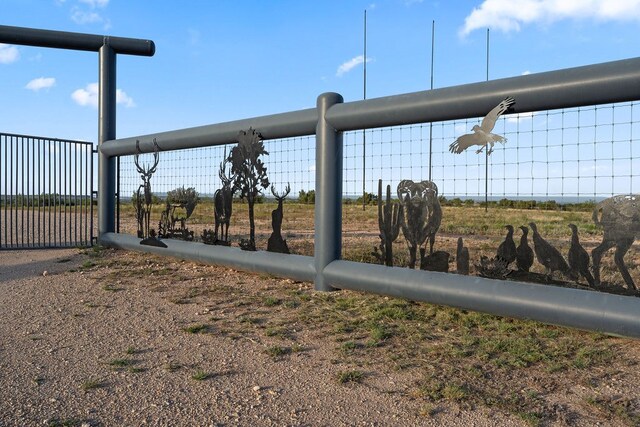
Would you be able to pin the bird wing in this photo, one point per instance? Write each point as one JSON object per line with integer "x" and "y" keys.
{"x": 490, "y": 119}
{"x": 466, "y": 141}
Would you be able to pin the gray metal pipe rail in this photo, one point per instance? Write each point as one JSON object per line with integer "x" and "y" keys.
{"x": 285, "y": 125}
{"x": 74, "y": 41}
{"x": 576, "y": 308}
{"x": 572, "y": 87}
{"x": 297, "y": 267}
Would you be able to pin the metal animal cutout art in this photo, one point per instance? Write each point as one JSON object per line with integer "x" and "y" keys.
{"x": 482, "y": 134}
{"x": 276, "y": 243}
{"x": 507, "y": 249}
{"x": 524, "y": 253}
{"x": 250, "y": 173}
{"x": 223, "y": 206}
{"x": 462, "y": 258}
{"x": 619, "y": 216}
{"x": 144, "y": 197}
{"x": 422, "y": 215}
{"x": 179, "y": 207}
{"x": 578, "y": 257}
{"x": 548, "y": 255}
{"x": 389, "y": 222}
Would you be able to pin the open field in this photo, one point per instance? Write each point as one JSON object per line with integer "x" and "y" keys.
{"x": 119, "y": 338}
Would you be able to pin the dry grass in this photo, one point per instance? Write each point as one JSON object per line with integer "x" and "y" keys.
{"x": 448, "y": 356}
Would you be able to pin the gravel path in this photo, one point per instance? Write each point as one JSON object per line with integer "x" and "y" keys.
{"x": 74, "y": 353}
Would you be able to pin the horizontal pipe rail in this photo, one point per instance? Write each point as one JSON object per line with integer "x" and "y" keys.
{"x": 582, "y": 309}
{"x": 608, "y": 82}
{"x": 297, "y": 267}
{"x": 285, "y": 125}
{"x": 617, "y": 81}
{"x": 74, "y": 41}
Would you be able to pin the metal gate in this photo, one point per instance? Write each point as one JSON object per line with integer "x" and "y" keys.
{"x": 46, "y": 192}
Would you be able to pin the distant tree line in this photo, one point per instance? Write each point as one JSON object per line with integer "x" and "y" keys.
{"x": 43, "y": 200}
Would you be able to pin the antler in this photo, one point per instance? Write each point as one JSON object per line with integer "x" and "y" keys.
{"x": 222, "y": 173}
{"x": 156, "y": 158}
{"x": 278, "y": 196}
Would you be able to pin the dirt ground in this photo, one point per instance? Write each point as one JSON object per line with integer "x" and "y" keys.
{"x": 85, "y": 343}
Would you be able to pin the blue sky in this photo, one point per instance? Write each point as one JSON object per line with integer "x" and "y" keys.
{"x": 217, "y": 61}
{"x": 224, "y": 60}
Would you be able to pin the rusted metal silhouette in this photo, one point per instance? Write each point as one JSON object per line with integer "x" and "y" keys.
{"x": 462, "y": 258}
{"x": 507, "y": 249}
{"x": 179, "y": 207}
{"x": 389, "y": 222}
{"x": 524, "y": 253}
{"x": 276, "y": 243}
{"x": 493, "y": 268}
{"x": 249, "y": 173}
{"x": 436, "y": 261}
{"x": 223, "y": 206}
{"x": 619, "y": 216}
{"x": 144, "y": 197}
{"x": 422, "y": 215}
{"x": 548, "y": 255}
{"x": 578, "y": 257}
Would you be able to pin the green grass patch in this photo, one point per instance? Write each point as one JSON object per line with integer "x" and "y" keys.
{"x": 92, "y": 384}
{"x": 201, "y": 375}
{"x": 196, "y": 329}
{"x": 121, "y": 363}
{"x": 353, "y": 376}
{"x": 277, "y": 351}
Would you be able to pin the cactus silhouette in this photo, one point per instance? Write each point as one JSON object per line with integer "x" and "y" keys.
{"x": 389, "y": 222}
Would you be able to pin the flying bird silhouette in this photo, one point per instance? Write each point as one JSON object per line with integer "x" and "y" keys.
{"x": 482, "y": 134}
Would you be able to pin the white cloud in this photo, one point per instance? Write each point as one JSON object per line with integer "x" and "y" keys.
{"x": 517, "y": 118}
{"x": 350, "y": 64}
{"x": 88, "y": 97}
{"x": 510, "y": 15}
{"x": 123, "y": 98}
{"x": 81, "y": 17}
{"x": 95, "y": 3}
{"x": 41, "y": 83}
{"x": 526, "y": 73}
{"x": 8, "y": 53}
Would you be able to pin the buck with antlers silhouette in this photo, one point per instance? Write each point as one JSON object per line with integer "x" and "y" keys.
{"x": 276, "y": 243}
{"x": 144, "y": 195}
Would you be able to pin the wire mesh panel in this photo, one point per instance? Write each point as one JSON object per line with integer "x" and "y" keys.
{"x": 567, "y": 155}
{"x": 290, "y": 162}
{"x": 553, "y": 170}
{"x": 46, "y": 188}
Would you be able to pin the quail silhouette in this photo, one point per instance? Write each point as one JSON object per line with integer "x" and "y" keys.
{"x": 579, "y": 258}
{"x": 524, "y": 253}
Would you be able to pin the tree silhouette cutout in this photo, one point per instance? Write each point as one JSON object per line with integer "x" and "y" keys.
{"x": 250, "y": 173}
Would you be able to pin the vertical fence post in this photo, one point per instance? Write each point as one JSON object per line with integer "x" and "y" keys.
{"x": 106, "y": 131}
{"x": 328, "y": 208}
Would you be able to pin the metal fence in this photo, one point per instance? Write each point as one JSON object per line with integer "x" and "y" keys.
{"x": 46, "y": 188}
{"x": 614, "y": 82}
{"x": 449, "y": 111}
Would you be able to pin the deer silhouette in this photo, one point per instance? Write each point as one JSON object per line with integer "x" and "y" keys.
{"x": 144, "y": 194}
{"x": 223, "y": 205}
{"x": 276, "y": 243}
{"x": 620, "y": 219}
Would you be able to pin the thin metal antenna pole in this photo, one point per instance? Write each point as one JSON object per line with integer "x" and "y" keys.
{"x": 486, "y": 149}
{"x": 364, "y": 138}
{"x": 433, "y": 32}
